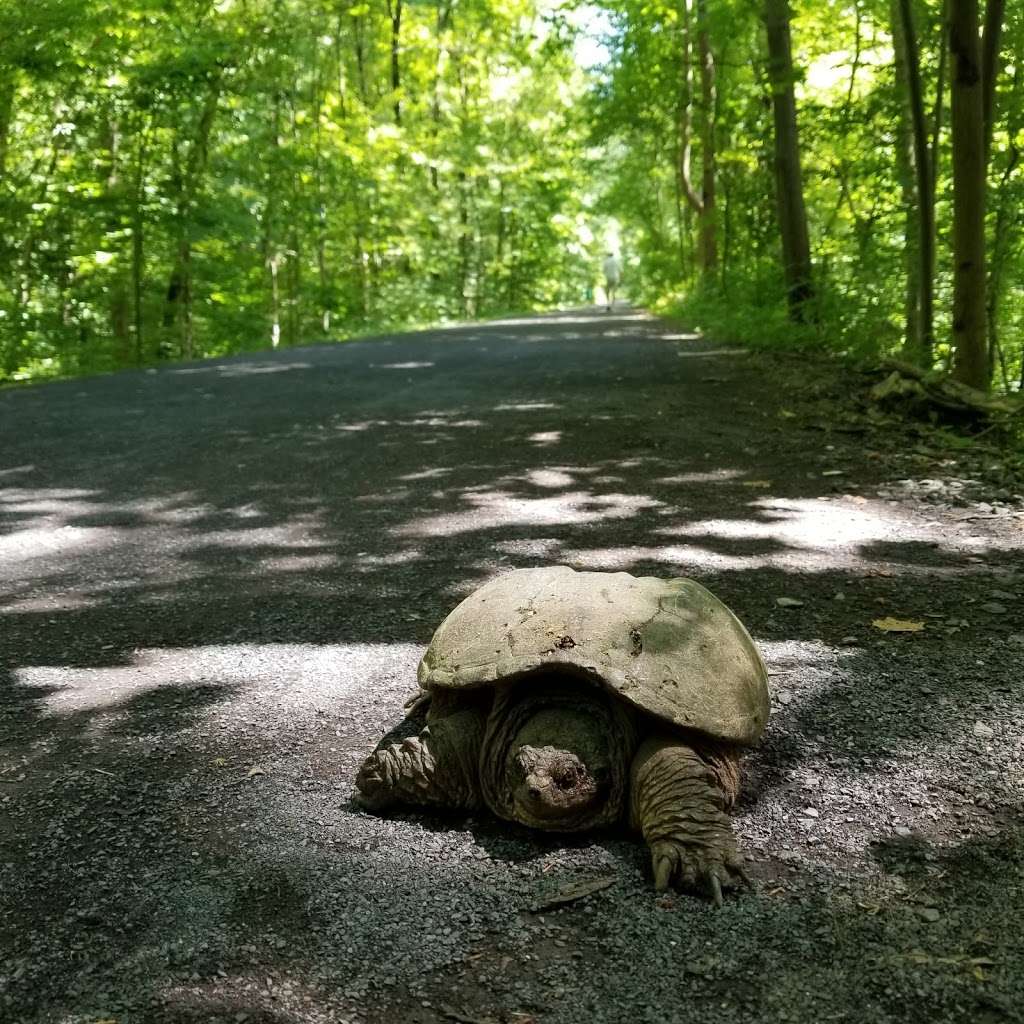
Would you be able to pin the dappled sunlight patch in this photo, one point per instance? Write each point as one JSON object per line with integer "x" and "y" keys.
{"x": 401, "y": 366}
{"x": 299, "y": 563}
{"x": 526, "y": 406}
{"x": 395, "y": 494}
{"x": 445, "y": 420}
{"x": 544, "y": 549}
{"x": 716, "y": 353}
{"x": 715, "y": 476}
{"x": 365, "y": 562}
{"x": 255, "y": 369}
{"x": 426, "y": 474}
{"x": 47, "y": 541}
{"x": 495, "y": 509}
{"x": 806, "y": 535}
{"x": 21, "y": 499}
{"x": 67, "y": 602}
{"x": 686, "y": 336}
{"x": 276, "y": 682}
{"x": 596, "y": 316}
{"x": 544, "y": 438}
{"x": 550, "y": 478}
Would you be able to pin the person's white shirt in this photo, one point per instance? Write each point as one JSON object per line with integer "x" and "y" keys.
{"x": 612, "y": 269}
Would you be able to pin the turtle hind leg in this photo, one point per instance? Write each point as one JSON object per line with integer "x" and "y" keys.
{"x": 678, "y": 800}
{"x": 439, "y": 767}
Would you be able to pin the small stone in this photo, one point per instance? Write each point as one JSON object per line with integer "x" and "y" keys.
{"x": 929, "y": 914}
{"x": 1002, "y": 595}
{"x": 983, "y": 730}
{"x": 788, "y": 602}
{"x": 902, "y": 831}
{"x": 993, "y": 608}
{"x": 785, "y": 696}
{"x": 849, "y": 641}
{"x": 810, "y": 812}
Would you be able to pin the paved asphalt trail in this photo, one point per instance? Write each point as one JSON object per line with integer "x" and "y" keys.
{"x": 216, "y": 582}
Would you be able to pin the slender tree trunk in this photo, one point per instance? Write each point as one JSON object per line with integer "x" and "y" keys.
{"x": 919, "y": 347}
{"x": 179, "y": 289}
{"x": 1007, "y": 216}
{"x": 940, "y": 96}
{"x": 970, "y": 360}
{"x": 117, "y": 291}
{"x": 708, "y": 227}
{"x": 990, "y": 66}
{"x": 8, "y": 86}
{"x": 702, "y": 204}
{"x": 796, "y": 248}
{"x": 138, "y": 241}
{"x": 323, "y": 274}
{"x": 271, "y": 256}
{"x": 395, "y": 15}
{"x": 904, "y": 152}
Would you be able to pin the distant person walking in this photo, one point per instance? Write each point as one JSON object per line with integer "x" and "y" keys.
{"x": 612, "y": 277}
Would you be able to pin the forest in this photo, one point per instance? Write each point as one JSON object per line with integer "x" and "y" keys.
{"x": 187, "y": 178}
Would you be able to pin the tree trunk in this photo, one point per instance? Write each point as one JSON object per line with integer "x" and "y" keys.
{"x": 707, "y": 221}
{"x": 138, "y": 242}
{"x": 990, "y": 36}
{"x": 8, "y": 85}
{"x": 178, "y": 307}
{"x": 796, "y": 248}
{"x": 395, "y": 14}
{"x": 919, "y": 344}
{"x": 1007, "y": 216}
{"x": 117, "y": 288}
{"x": 703, "y": 204}
{"x": 970, "y": 359}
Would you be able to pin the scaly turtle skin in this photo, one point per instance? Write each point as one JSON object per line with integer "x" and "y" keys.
{"x": 569, "y": 700}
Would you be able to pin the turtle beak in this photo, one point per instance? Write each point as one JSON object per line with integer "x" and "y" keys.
{"x": 555, "y": 784}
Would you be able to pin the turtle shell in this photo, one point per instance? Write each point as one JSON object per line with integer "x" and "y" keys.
{"x": 669, "y": 647}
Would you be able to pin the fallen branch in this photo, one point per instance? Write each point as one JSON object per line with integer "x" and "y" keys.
{"x": 909, "y": 385}
{"x": 571, "y": 893}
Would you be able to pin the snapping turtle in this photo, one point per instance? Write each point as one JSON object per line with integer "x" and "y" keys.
{"x": 569, "y": 700}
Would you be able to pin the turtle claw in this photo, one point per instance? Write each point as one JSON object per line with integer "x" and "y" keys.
{"x": 716, "y": 890}
{"x": 685, "y": 866}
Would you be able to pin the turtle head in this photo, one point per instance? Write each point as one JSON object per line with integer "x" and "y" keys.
{"x": 558, "y": 769}
{"x": 553, "y": 784}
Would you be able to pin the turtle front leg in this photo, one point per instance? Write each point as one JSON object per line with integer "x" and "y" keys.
{"x": 437, "y": 768}
{"x": 678, "y": 800}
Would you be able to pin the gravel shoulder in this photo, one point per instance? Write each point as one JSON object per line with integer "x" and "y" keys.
{"x": 216, "y": 581}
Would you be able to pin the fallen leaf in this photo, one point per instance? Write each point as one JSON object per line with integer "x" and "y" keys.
{"x": 789, "y": 602}
{"x": 787, "y": 414}
{"x": 255, "y": 771}
{"x": 890, "y": 625}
